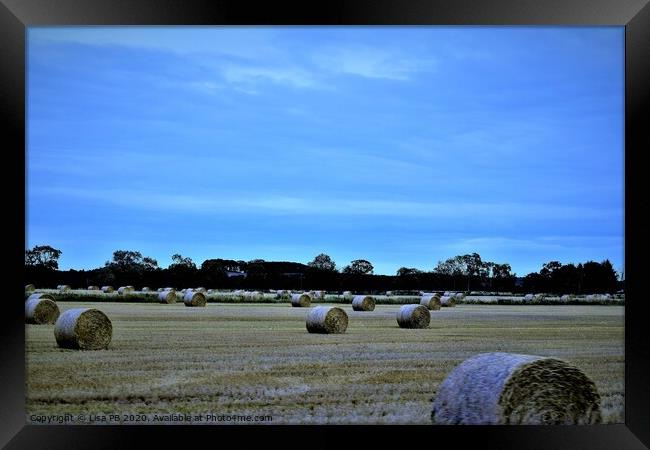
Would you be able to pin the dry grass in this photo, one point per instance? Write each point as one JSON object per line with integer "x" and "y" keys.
{"x": 259, "y": 359}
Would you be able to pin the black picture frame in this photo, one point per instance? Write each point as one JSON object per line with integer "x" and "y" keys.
{"x": 16, "y": 15}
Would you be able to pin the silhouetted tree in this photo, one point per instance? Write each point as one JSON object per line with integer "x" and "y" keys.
{"x": 43, "y": 256}
{"x": 323, "y": 262}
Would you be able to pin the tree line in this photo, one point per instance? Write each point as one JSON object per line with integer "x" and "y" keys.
{"x": 460, "y": 273}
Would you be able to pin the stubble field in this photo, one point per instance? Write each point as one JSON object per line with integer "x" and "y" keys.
{"x": 259, "y": 360}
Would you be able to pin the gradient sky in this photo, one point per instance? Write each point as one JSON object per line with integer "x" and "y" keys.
{"x": 401, "y": 145}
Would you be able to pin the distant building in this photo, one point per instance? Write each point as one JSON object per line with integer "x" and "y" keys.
{"x": 236, "y": 274}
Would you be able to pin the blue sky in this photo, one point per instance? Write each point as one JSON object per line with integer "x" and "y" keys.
{"x": 400, "y": 145}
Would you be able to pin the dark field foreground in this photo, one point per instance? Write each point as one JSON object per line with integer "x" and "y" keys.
{"x": 259, "y": 360}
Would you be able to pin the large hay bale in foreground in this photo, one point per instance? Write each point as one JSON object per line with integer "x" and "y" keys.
{"x": 449, "y": 301}
{"x": 363, "y": 303}
{"x": 300, "y": 300}
{"x": 107, "y": 289}
{"x": 327, "y": 320}
{"x": 513, "y": 389}
{"x": 413, "y": 316}
{"x": 83, "y": 329}
{"x": 191, "y": 298}
{"x": 167, "y": 296}
{"x": 30, "y": 287}
{"x": 41, "y": 309}
{"x": 431, "y": 301}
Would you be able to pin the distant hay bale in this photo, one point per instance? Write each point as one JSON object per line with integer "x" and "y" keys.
{"x": 347, "y": 293}
{"x": 459, "y": 296}
{"x": 318, "y": 294}
{"x": 64, "y": 287}
{"x": 93, "y": 288}
{"x": 124, "y": 290}
{"x": 107, "y": 289}
{"x": 448, "y": 301}
{"x": 413, "y": 316}
{"x": 529, "y": 297}
{"x": 145, "y": 289}
{"x": 202, "y": 290}
{"x": 41, "y": 309}
{"x": 131, "y": 287}
{"x": 514, "y": 389}
{"x": 194, "y": 298}
{"x": 389, "y": 293}
{"x": 431, "y": 301}
{"x": 363, "y": 303}
{"x": 83, "y": 329}
{"x": 160, "y": 289}
{"x": 327, "y": 320}
{"x": 168, "y": 296}
{"x": 300, "y": 300}
{"x": 567, "y": 297}
{"x": 30, "y": 287}
{"x": 448, "y": 294}
{"x": 281, "y": 293}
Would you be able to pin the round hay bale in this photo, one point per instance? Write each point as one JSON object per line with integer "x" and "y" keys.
{"x": 413, "y": 316}
{"x": 327, "y": 320}
{"x": 459, "y": 296}
{"x": 107, "y": 289}
{"x": 202, "y": 290}
{"x": 529, "y": 297}
{"x": 30, "y": 287}
{"x": 431, "y": 301}
{"x": 300, "y": 300}
{"x": 83, "y": 329}
{"x": 567, "y": 297}
{"x": 363, "y": 303}
{"x": 124, "y": 290}
{"x": 448, "y": 294}
{"x": 145, "y": 289}
{"x": 160, "y": 289}
{"x": 41, "y": 309}
{"x": 167, "y": 296}
{"x": 319, "y": 294}
{"x": 131, "y": 287}
{"x": 64, "y": 287}
{"x": 389, "y": 293}
{"x": 194, "y": 298}
{"x": 93, "y": 288}
{"x": 514, "y": 389}
{"x": 281, "y": 293}
{"x": 449, "y": 301}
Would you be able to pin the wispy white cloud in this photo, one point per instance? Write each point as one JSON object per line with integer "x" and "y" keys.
{"x": 216, "y": 203}
{"x": 371, "y": 62}
{"x": 291, "y": 76}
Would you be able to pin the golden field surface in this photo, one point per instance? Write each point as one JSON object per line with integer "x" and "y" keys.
{"x": 259, "y": 360}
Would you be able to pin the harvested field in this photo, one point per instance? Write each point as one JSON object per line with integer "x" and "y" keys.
{"x": 259, "y": 359}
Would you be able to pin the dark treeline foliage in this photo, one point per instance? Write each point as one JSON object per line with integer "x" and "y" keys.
{"x": 590, "y": 277}
{"x": 460, "y": 273}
